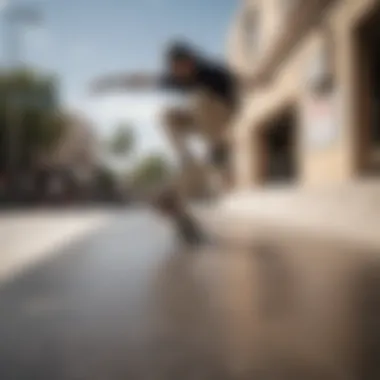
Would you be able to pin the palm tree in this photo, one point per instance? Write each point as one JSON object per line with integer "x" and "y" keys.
{"x": 123, "y": 141}
{"x": 121, "y": 146}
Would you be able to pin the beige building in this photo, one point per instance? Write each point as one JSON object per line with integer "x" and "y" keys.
{"x": 310, "y": 103}
{"x": 76, "y": 157}
{"x": 79, "y": 149}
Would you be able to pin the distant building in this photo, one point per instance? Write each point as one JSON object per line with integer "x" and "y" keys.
{"x": 310, "y": 107}
{"x": 74, "y": 161}
{"x": 79, "y": 149}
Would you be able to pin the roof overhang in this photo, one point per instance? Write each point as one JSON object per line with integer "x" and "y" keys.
{"x": 306, "y": 16}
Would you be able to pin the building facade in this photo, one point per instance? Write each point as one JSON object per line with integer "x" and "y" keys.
{"x": 79, "y": 149}
{"x": 310, "y": 91}
{"x": 70, "y": 168}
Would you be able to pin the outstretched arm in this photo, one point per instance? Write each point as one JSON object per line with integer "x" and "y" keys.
{"x": 121, "y": 82}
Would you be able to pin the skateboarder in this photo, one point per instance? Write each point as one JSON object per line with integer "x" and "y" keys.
{"x": 211, "y": 87}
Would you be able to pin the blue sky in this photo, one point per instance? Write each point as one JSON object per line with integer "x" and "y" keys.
{"x": 82, "y": 39}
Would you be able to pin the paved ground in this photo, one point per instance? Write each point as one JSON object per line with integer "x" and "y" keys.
{"x": 27, "y": 237}
{"x": 124, "y": 302}
{"x": 348, "y": 213}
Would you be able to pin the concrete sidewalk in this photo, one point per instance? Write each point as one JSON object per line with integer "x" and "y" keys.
{"x": 28, "y": 237}
{"x": 348, "y": 214}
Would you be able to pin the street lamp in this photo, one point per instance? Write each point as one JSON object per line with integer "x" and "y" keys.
{"x": 16, "y": 16}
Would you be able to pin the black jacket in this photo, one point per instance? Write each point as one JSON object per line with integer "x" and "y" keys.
{"x": 214, "y": 78}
